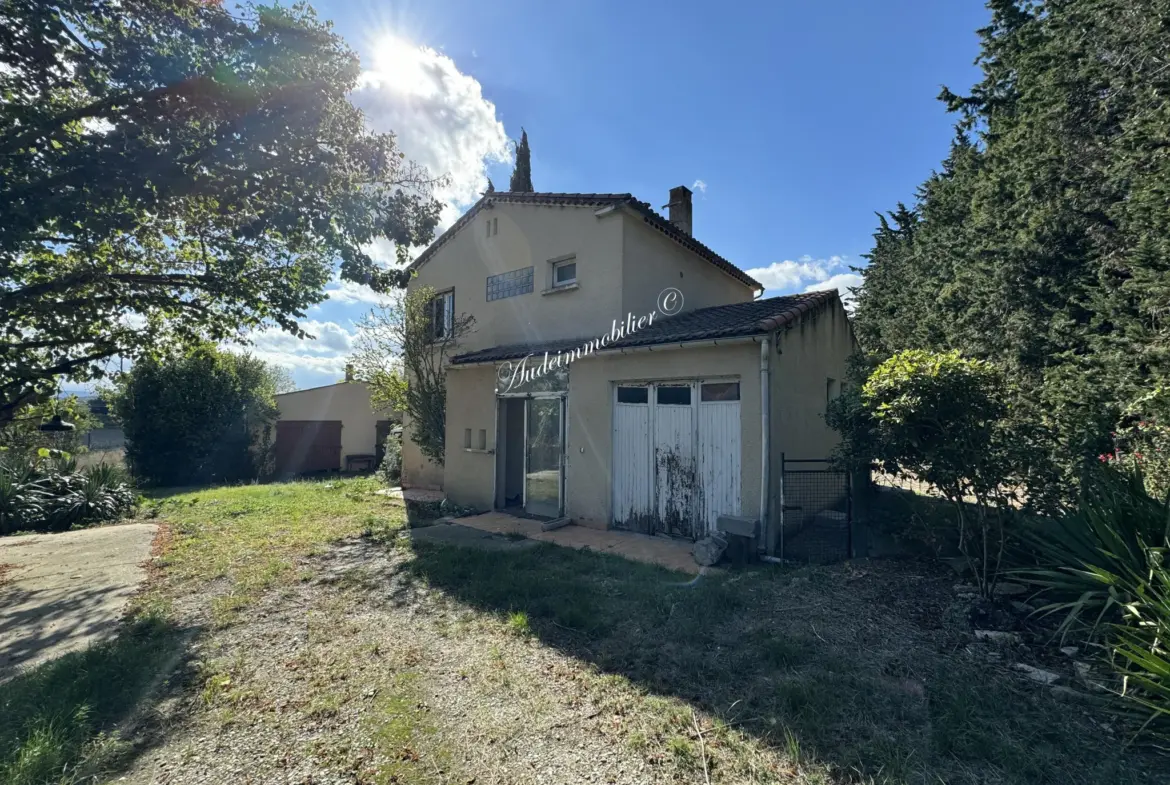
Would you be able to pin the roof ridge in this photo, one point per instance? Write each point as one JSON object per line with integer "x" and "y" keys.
{"x": 649, "y": 215}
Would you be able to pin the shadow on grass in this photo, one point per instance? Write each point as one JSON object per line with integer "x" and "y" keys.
{"x": 857, "y": 671}
{"x": 59, "y": 722}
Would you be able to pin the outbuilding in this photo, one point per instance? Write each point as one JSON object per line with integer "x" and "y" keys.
{"x": 329, "y": 429}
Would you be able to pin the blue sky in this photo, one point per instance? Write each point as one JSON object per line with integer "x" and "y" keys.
{"x": 793, "y": 121}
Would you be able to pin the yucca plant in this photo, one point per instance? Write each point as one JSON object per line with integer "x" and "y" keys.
{"x": 1094, "y": 562}
{"x": 1104, "y": 567}
{"x": 46, "y": 493}
{"x": 1142, "y": 656}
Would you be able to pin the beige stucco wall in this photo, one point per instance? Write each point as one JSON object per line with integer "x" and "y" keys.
{"x": 810, "y": 352}
{"x": 531, "y": 235}
{"x": 418, "y": 471}
{"x": 622, "y": 265}
{"x": 348, "y": 402}
{"x": 651, "y": 262}
{"x": 471, "y": 403}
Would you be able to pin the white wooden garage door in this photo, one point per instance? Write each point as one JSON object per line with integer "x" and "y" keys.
{"x": 676, "y": 463}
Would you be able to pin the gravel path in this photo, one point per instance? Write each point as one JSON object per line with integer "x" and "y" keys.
{"x": 360, "y": 669}
{"x": 62, "y": 592}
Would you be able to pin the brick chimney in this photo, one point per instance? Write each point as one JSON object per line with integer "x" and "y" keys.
{"x": 349, "y": 372}
{"x": 680, "y": 210}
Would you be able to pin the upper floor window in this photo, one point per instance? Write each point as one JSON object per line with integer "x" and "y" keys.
{"x": 562, "y": 272}
{"x": 509, "y": 284}
{"x": 442, "y": 314}
{"x": 493, "y": 227}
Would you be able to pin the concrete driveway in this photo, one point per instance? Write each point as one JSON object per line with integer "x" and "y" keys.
{"x": 61, "y": 592}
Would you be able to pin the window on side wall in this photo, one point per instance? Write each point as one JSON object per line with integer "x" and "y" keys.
{"x": 832, "y": 390}
{"x": 563, "y": 272}
{"x": 442, "y": 314}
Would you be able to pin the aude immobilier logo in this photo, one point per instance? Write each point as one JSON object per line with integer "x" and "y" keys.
{"x": 512, "y": 375}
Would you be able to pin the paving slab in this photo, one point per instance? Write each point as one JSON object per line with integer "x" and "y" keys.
{"x": 670, "y": 553}
{"x": 468, "y": 537}
{"x": 63, "y": 592}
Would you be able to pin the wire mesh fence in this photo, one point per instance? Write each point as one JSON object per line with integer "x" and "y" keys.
{"x": 816, "y": 511}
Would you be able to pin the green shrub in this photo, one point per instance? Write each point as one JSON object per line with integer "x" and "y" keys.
{"x": 1103, "y": 569}
{"x": 1142, "y": 441}
{"x": 197, "y": 418}
{"x": 949, "y": 421}
{"x": 390, "y": 470}
{"x": 47, "y": 493}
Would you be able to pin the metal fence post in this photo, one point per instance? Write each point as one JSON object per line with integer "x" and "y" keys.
{"x": 782, "y": 507}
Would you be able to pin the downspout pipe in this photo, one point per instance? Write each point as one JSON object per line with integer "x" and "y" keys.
{"x": 765, "y": 439}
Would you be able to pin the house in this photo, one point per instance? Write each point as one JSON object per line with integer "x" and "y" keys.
{"x": 328, "y": 429}
{"x": 620, "y": 373}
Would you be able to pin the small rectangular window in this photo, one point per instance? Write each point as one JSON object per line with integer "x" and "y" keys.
{"x": 633, "y": 395}
{"x": 483, "y": 438}
{"x": 564, "y": 273}
{"x": 467, "y": 438}
{"x": 720, "y": 391}
{"x": 832, "y": 390}
{"x": 674, "y": 396}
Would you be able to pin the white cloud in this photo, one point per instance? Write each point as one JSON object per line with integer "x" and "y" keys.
{"x": 842, "y": 282}
{"x": 440, "y": 117}
{"x": 814, "y": 275}
{"x": 325, "y": 353}
{"x": 699, "y": 186}
{"x": 349, "y": 292}
{"x": 790, "y": 274}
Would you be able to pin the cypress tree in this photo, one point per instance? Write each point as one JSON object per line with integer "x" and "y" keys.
{"x": 1043, "y": 243}
{"x": 522, "y": 174}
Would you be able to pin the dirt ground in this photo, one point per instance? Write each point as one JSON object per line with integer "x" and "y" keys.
{"x": 63, "y": 592}
{"x": 371, "y": 670}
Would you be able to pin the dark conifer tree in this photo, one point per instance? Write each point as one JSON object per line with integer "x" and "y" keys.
{"x": 522, "y": 174}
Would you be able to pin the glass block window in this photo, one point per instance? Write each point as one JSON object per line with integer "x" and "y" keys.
{"x": 509, "y": 284}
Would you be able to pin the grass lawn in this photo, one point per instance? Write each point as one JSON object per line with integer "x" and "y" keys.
{"x": 290, "y": 635}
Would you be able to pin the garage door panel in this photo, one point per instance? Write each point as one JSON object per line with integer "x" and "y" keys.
{"x": 306, "y": 446}
{"x": 677, "y": 478}
{"x": 632, "y": 491}
{"x": 719, "y": 460}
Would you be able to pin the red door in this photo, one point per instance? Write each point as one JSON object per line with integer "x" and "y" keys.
{"x": 307, "y": 446}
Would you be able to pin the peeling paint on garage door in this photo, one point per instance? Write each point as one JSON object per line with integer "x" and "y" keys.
{"x": 676, "y": 464}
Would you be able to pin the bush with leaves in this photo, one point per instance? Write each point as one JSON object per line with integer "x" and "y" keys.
{"x": 201, "y": 417}
{"x": 390, "y": 470}
{"x": 1142, "y": 441}
{"x": 46, "y": 492}
{"x": 949, "y": 421}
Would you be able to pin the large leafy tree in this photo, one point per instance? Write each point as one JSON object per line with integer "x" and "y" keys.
{"x": 1043, "y": 242}
{"x": 172, "y": 171}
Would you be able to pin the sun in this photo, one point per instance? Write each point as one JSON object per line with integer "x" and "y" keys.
{"x": 401, "y": 64}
